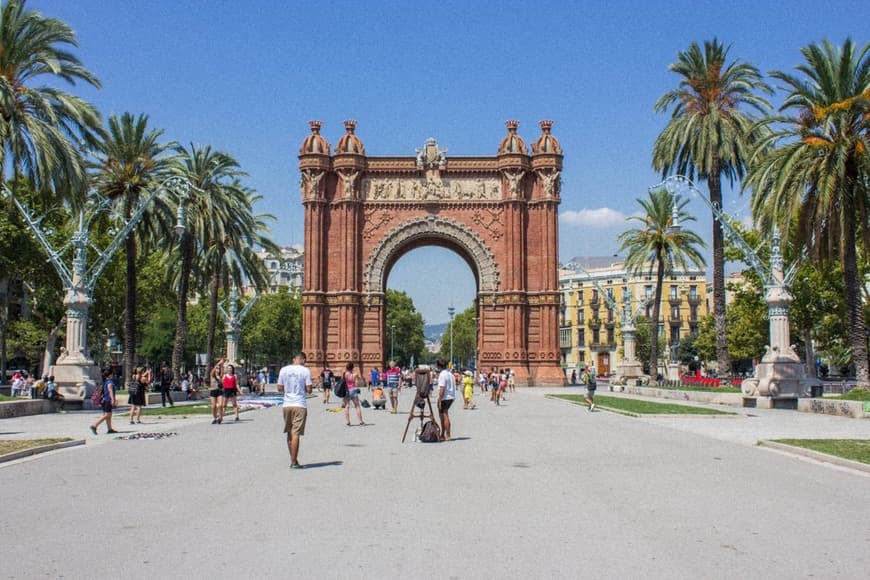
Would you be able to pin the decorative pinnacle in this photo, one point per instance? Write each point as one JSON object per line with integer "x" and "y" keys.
{"x": 546, "y": 125}
{"x": 350, "y": 125}
{"x": 512, "y": 126}
{"x": 315, "y": 126}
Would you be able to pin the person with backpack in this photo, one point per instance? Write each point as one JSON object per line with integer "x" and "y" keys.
{"x": 591, "y": 385}
{"x": 446, "y": 396}
{"x": 106, "y": 401}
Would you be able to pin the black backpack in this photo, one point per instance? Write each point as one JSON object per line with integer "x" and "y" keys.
{"x": 430, "y": 433}
{"x": 340, "y": 389}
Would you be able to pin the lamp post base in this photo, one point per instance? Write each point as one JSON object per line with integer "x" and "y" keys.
{"x": 76, "y": 381}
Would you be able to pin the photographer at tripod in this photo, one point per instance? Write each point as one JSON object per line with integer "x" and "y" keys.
{"x": 446, "y": 396}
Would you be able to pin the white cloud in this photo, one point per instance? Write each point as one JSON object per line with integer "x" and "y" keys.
{"x": 603, "y": 217}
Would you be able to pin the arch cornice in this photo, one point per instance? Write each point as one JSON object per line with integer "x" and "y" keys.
{"x": 431, "y": 227}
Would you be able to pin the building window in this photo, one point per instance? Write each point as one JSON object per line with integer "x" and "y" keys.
{"x": 693, "y": 312}
{"x": 610, "y": 337}
{"x": 673, "y": 291}
{"x": 693, "y": 291}
{"x": 581, "y": 337}
{"x": 581, "y": 316}
{"x": 609, "y": 315}
{"x": 675, "y": 312}
{"x": 596, "y": 336}
{"x": 675, "y": 334}
{"x": 580, "y": 297}
{"x": 648, "y": 291}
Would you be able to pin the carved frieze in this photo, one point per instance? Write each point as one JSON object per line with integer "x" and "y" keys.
{"x": 433, "y": 187}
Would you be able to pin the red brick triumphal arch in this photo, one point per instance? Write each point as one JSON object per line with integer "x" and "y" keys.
{"x": 362, "y": 213}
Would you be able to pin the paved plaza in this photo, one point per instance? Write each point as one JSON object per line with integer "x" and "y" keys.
{"x": 536, "y": 488}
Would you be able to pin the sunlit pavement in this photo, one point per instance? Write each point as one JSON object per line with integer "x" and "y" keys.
{"x": 534, "y": 488}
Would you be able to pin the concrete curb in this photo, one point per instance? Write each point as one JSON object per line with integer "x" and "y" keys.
{"x": 41, "y": 449}
{"x": 817, "y": 455}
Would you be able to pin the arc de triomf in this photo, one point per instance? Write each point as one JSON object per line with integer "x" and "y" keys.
{"x": 363, "y": 213}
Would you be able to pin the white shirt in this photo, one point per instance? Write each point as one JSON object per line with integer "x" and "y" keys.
{"x": 295, "y": 379}
{"x": 445, "y": 380}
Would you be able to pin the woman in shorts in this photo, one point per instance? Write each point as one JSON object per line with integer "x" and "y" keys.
{"x": 216, "y": 394}
{"x": 231, "y": 390}
{"x": 354, "y": 381}
{"x": 141, "y": 380}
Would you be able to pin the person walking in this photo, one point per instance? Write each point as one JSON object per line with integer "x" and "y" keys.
{"x": 216, "y": 393}
{"x": 446, "y": 396}
{"x": 394, "y": 385}
{"x": 591, "y": 385}
{"x": 375, "y": 378}
{"x": 230, "y": 384}
{"x": 326, "y": 384}
{"x": 164, "y": 383}
{"x": 468, "y": 391}
{"x": 354, "y": 382}
{"x": 108, "y": 404}
{"x": 294, "y": 381}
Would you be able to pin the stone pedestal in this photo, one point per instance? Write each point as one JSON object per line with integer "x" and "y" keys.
{"x": 673, "y": 371}
{"x": 628, "y": 373}
{"x": 76, "y": 380}
{"x": 779, "y": 374}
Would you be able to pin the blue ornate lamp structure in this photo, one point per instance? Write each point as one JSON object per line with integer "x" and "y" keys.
{"x": 74, "y": 371}
{"x": 233, "y": 319}
{"x": 780, "y": 374}
{"x": 629, "y": 369}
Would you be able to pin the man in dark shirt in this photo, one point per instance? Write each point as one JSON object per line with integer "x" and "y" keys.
{"x": 164, "y": 382}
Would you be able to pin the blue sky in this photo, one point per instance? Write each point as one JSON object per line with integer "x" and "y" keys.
{"x": 246, "y": 77}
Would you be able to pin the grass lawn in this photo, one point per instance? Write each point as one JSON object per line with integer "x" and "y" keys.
{"x": 13, "y": 445}
{"x": 8, "y": 398}
{"x": 179, "y": 410}
{"x": 854, "y": 449}
{"x": 855, "y": 395}
{"x": 635, "y": 406}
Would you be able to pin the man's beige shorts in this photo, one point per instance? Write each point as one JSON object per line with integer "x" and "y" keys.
{"x": 294, "y": 420}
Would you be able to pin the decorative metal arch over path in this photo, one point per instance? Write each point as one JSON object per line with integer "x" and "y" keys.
{"x": 498, "y": 213}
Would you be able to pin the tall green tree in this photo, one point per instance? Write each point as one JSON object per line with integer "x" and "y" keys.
{"x": 464, "y": 337}
{"x": 131, "y": 160}
{"x": 209, "y": 207}
{"x": 711, "y": 134}
{"x": 40, "y": 124}
{"x": 811, "y": 174}
{"x": 404, "y": 328}
{"x": 272, "y": 332}
{"x": 660, "y": 244}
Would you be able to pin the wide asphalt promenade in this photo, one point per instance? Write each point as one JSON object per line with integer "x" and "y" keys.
{"x": 536, "y": 488}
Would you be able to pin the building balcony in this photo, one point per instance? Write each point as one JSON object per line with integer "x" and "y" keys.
{"x": 675, "y": 319}
{"x": 595, "y": 324}
{"x": 602, "y": 346}
{"x": 595, "y": 302}
{"x": 675, "y": 300}
{"x": 694, "y": 299}
{"x": 610, "y": 324}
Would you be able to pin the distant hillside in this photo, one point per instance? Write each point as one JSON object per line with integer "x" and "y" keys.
{"x": 434, "y": 332}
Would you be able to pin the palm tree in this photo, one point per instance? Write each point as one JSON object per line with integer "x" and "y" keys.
{"x": 232, "y": 257}
{"x": 711, "y": 134}
{"x": 811, "y": 174}
{"x": 211, "y": 205}
{"x": 40, "y": 126}
{"x": 131, "y": 160}
{"x": 660, "y": 244}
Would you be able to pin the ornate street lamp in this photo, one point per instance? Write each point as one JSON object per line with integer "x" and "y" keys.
{"x": 780, "y": 373}
{"x": 451, "y": 311}
{"x": 392, "y": 341}
{"x": 75, "y": 373}
{"x": 233, "y": 319}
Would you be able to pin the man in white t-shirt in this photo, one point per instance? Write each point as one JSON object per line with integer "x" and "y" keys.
{"x": 294, "y": 381}
{"x": 446, "y": 395}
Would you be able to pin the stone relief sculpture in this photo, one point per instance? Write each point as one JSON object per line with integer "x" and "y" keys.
{"x": 433, "y": 187}
{"x": 514, "y": 178}
{"x": 550, "y": 181}
{"x": 349, "y": 182}
{"x": 312, "y": 178}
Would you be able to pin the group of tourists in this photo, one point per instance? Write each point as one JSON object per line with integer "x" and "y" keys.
{"x": 25, "y": 385}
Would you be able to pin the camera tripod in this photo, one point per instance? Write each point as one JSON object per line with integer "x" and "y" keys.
{"x": 420, "y": 403}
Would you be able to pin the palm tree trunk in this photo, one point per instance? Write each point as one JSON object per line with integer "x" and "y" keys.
{"x": 723, "y": 361}
{"x": 810, "y": 361}
{"x": 3, "y": 325}
{"x": 656, "y": 314}
{"x": 213, "y": 313}
{"x": 130, "y": 311}
{"x": 854, "y": 307}
{"x": 183, "y": 291}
